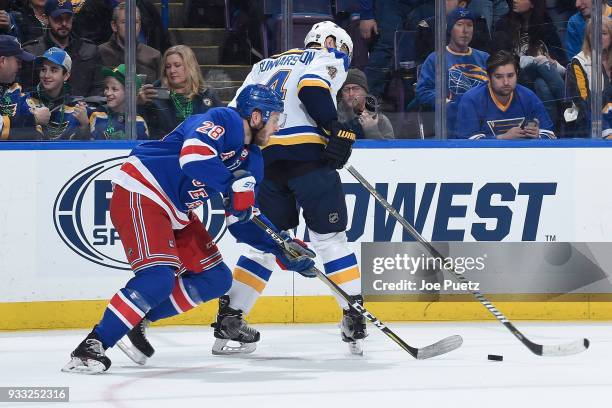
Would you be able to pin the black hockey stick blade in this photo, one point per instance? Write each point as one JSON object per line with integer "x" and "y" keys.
{"x": 574, "y": 347}
{"x": 443, "y": 346}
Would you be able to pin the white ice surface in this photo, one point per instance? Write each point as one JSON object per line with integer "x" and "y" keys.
{"x": 308, "y": 366}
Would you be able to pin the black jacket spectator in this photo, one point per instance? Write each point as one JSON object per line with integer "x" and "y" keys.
{"x": 31, "y": 27}
{"x": 507, "y": 36}
{"x": 87, "y": 77}
{"x": 161, "y": 117}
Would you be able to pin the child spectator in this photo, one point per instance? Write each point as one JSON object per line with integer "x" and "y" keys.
{"x": 109, "y": 123}
{"x": 69, "y": 116}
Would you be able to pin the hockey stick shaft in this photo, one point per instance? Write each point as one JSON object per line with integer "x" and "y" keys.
{"x": 449, "y": 344}
{"x": 535, "y": 348}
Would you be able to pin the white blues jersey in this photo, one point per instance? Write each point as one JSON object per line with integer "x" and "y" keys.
{"x": 287, "y": 73}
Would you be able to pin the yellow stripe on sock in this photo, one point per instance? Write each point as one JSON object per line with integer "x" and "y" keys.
{"x": 242, "y": 275}
{"x": 345, "y": 276}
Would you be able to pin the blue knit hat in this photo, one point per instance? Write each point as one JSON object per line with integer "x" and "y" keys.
{"x": 457, "y": 14}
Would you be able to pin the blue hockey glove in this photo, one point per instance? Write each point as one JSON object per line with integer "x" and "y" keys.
{"x": 242, "y": 196}
{"x": 302, "y": 263}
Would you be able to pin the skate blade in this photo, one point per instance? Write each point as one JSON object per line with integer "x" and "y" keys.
{"x": 356, "y": 347}
{"x": 78, "y": 366}
{"x": 221, "y": 348}
{"x": 132, "y": 352}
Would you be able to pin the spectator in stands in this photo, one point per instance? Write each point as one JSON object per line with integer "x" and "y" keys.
{"x": 560, "y": 12}
{"x": 69, "y": 115}
{"x": 34, "y": 21}
{"x": 425, "y": 43}
{"x": 466, "y": 67}
{"x": 578, "y": 116}
{"x": 94, "y": 22}
{"x": 358, "y": 108}
{"x": 490, "y": 10}
{"x": 148, "y": 60}
{"x": 18, "y": 119}
{"x": 577, "y": 23}
{"x": 502, "y": 109}
{"x": 528, "y": 32}
{"x": 181, "y": 75}
{"x": 9, "y": 23}
{"x": 109, "y": 122}
{"x": 86, "y": 63}
{"x": 379, "y": 21}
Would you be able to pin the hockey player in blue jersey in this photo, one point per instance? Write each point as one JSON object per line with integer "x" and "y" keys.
{"x": 176, "y": 263}
{"x": 502, "y": 109}
{"x": 301, "y": 163}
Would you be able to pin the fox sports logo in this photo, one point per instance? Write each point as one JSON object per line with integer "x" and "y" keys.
{"x": 82, "y": 219}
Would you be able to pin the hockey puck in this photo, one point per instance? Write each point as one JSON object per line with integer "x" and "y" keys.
{"x": 495, "y": 357}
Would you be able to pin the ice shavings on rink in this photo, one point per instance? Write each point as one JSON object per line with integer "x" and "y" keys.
{"x": 308, "y": 366}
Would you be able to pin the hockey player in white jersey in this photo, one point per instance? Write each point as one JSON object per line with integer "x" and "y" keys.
{"x": 301, "y": 162}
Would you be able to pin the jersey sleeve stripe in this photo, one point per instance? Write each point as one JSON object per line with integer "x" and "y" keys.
{"x": 194, "y": 150}
{"x": 312, "y": 82}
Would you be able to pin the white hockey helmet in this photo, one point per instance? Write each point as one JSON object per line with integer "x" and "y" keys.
{"x": 320, "y": 31}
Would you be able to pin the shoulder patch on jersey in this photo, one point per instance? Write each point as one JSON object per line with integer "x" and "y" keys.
{"x": 332, "y": 71}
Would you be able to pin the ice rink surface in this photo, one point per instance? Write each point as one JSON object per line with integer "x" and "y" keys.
{"x": 308, "y": 366}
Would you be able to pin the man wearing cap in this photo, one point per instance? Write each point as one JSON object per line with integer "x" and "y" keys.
{"x": 86, "y": 62}
{"x": 425, "y": 37}
{"x": 355, "y": 105}
{"x": 109, "y": 122}
{"x": 466, "y": 67}
{"x": 148, "y": 59}
{"x": 69, "y": 115}
{"x": 18, "y": 119}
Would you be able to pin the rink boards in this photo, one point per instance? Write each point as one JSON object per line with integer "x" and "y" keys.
{"x": 60, "y": 258}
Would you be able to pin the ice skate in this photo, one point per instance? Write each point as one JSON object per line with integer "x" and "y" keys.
{"x": 88, "y": 357}
{"x": 136, "y": 345}
{"x": 230, "y": 326}
{"x": 353, "y": 328}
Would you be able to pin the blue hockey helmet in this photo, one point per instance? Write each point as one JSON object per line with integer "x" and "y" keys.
{"x": 259, "y": 97}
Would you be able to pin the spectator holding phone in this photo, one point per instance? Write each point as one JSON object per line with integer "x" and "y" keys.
{"x": 69, "y": 116}
{"x": 109, "y": 122}
{"x": 359, "y": 108}
{"x": 502, "y": 109}
{"x": 188, "y": 94}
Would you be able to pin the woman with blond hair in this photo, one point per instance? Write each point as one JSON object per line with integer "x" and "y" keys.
{"x": 182, "y": 94}
{"x": 578, "y": 116}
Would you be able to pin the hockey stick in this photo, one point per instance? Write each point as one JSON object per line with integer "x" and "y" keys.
{"x": 441, "y": 347}
{"x": 567, "y": 349}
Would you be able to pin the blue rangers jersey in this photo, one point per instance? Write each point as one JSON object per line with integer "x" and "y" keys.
{"x": 287, "y": 73}
{"x": 193, "y": 162}
{"x": 482, "y": 115}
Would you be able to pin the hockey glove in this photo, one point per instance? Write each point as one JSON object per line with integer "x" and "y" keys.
{"x": 340, "y": 144}
{"x": 242, "y": 196}
{"x": 302, "y": 263}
